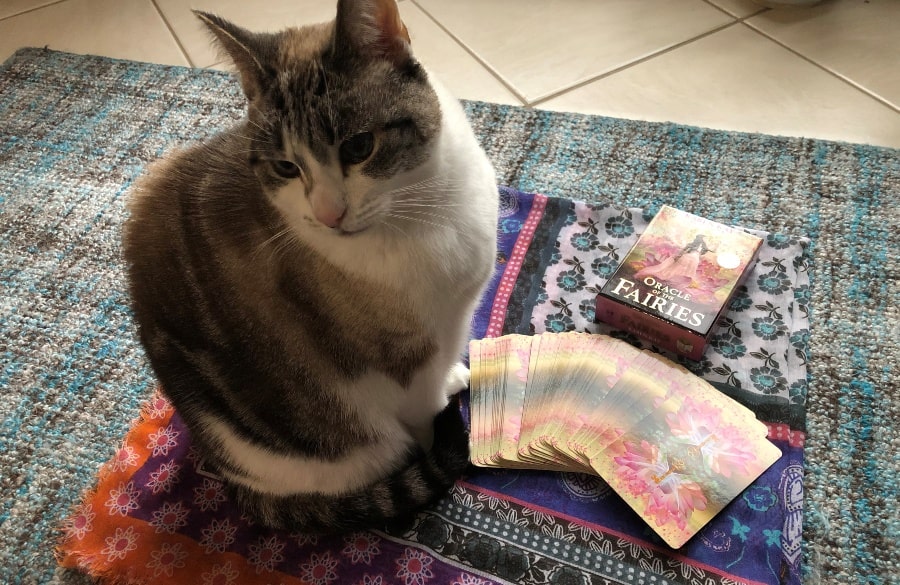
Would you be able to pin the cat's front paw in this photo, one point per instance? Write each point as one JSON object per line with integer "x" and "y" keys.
{"x": 457, "y": 379}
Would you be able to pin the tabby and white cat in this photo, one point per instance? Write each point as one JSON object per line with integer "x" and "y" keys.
{"x": 304, "y": 282}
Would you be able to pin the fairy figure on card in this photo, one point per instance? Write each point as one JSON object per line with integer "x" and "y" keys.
{"x": 682, "y": 265}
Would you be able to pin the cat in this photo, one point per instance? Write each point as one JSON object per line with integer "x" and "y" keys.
{"x": 304, "y": 282}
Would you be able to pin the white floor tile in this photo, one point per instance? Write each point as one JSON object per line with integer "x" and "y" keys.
{"x": 270, "y": 16}
{"x": 457, "y": 69}
{"x": 857, "y": 39}
{"x": 125, "y": 29}
{"x": 450, "y": 62}
{"x": 732, "y": 79}
{"x": 543, "y": 47}
{"x": 12, "y": 7}
{"x": 736, "y": 79}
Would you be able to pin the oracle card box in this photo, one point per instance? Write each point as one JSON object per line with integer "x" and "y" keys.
{"x": 677, "y": 281}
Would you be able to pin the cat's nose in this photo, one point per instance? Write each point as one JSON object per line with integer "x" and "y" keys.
{"x": 327, "y": 211}
{"x": 332, "y": 221}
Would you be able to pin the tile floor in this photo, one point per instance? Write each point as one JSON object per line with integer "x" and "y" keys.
{"x": 832, "y": 71}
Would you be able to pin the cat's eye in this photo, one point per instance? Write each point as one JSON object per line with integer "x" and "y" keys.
{"x": 286, "y": 168}
{"x": 357, "y": 148}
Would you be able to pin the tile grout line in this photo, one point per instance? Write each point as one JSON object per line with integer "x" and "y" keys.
{"x": 630, "y": 64}
{"x": 847, "y": 80}
{"x": 484, "y": 64}
{"x": 27, "y": 10}
{"x": 741, "y": 20}
{"x": 172, "y": 32}
{"x": 532, "y": 103}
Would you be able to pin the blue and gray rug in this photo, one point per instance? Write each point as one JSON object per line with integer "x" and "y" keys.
{"x": 76, "y": 131}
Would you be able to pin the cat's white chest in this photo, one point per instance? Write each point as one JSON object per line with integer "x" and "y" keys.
{"x": 440, "y": 253}
{"x": 438, "y": 258}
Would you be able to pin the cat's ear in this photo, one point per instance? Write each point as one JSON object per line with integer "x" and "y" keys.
{"x": 247, "y": 50}
{"x": 372, "y": 29}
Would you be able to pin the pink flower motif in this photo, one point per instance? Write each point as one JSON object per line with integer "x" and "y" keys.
{"x": 81, "y": 523}
{"x": 168, "y": 558}
{"x": 158, "y": 407}
{"x": 218, "y": 536}
{"x": 361, "y": 547}
{"x": 123, "y": 499}
{"x": 120, "y": 544}
{"x": 306, "y": 539}
{"x": 370, "y": 580}
{"x": 170, "y": 517}
{"x": 220, "y": 575}
{"x": 721, "y": 447}
{"x": 647, "y": 474}
{"x": 636, "y": 487}
{"x": 728, "y": 453}
{"x": 123, "y": 459}
{"x": 164, "y": 478}
{"x": 266, "y": 554}
{"x": 693, "y": 418}
{"x": 210, "y": 495}
{"x": 638, "y": 465}
{"x": 320, "y": 569}
{"x": 163, "y": 440}
{"x": 249, "y": 520}
{"x": 673, "y": 501}
{"x": 414, "y": 567}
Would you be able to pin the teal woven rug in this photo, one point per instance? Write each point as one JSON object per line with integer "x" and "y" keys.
{"x": 75, "y": 132}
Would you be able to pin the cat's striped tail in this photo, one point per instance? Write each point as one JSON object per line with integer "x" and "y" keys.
{"x": 426, "y": 478}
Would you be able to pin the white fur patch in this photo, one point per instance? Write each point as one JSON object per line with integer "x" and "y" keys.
{"x": 457, "y": 379}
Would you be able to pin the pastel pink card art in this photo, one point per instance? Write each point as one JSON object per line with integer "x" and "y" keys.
{"x": 684, "y": 463}
{"x": 672, "y": 446}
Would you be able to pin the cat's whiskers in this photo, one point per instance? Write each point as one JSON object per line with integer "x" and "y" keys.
{"x": 368, "y": 203}
{"x": 418, "y": 220}
{"x": 271, "y": 239}
{"x": 425, "y": 190}
{"x": 283, "y": 245}
{"x": 416, "y": 204}
{"x": 250, "y": 139}
{"x": 437, "y": 193}
{"x": 266, "y": 118}
{"x": 388, "y": 200}
{"x": 419, "y": 212}
{"x": 427, "y": 202}
{"x": 276, "y": 249}
{"x": 420, "y": 207}
{"x": 433, "y": 182}
{"x": 257, "y": 125}
{"x": 396, "y": 228}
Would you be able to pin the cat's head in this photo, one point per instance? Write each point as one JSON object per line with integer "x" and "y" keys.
{"x": 339, "y": 113}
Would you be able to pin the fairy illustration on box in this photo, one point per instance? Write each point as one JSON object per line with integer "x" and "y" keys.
{"x": 700, "y": 259}
{"x": 683, "y": 264}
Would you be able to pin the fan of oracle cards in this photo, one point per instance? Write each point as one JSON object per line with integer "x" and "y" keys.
{"x": 672, "y": 446}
